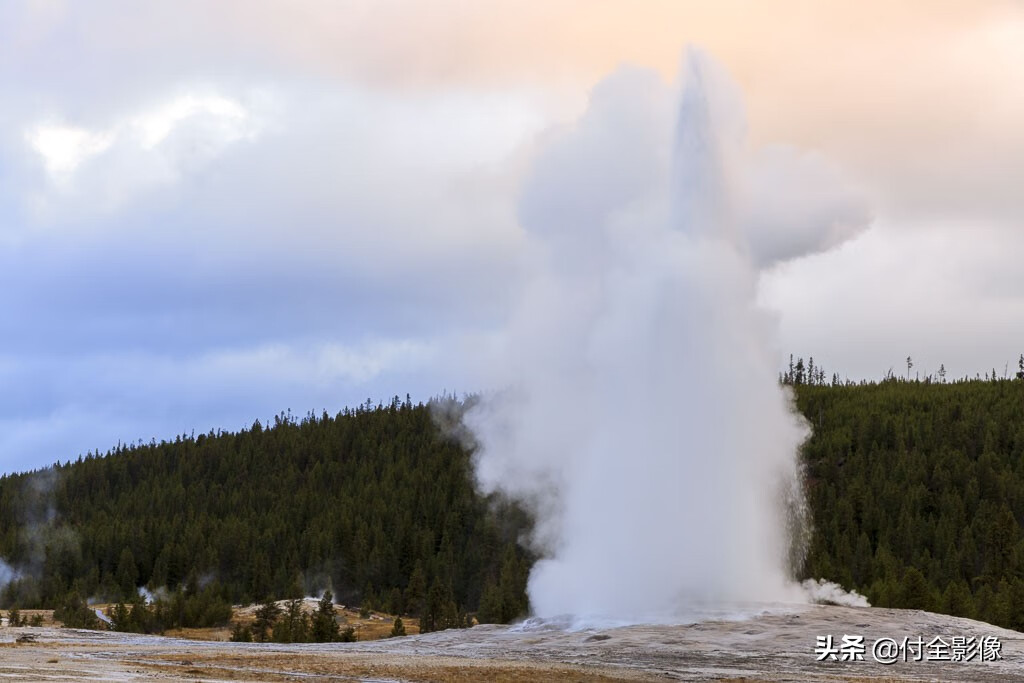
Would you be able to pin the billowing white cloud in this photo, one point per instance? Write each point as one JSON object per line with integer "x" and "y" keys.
{"x": 154, "y": 126}
{"x": 798, "y": 203}
{"x": 96, "y": 170}
{"x": 63, "y": 148}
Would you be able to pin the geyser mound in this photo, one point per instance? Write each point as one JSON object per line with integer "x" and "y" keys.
{"x": 643, "y": 418}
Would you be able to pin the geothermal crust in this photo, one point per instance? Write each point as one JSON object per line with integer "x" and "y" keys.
{"x": 777, "y": 645}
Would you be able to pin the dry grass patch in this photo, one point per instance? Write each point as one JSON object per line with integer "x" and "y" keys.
{"x": 278, "y": 667}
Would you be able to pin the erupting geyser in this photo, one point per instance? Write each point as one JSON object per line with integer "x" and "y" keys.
{"x": 643, "y": 418}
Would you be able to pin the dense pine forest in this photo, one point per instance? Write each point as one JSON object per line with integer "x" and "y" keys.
{"x": 916, "y": 490}
{"x": 917, "y": 493}
{"x": 374, "y": 503}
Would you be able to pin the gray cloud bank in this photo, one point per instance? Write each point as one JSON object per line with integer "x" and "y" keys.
{"x": 209, "y": 215}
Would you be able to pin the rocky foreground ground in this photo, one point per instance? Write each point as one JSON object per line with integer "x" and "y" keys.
{"x": 781, "y": 645}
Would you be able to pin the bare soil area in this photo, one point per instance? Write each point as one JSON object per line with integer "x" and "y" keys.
{"x": 778, "y": 645}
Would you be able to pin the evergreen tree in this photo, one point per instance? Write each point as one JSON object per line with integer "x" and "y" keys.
{"x": 266, "y": 618}
{"x": 512, "y": 586}
{"x": 127, "y": 574}
{"x": 241, "y": 634}
{"x": 416, "y": 591}
{"x": 915, "y": 593}
{"x": 293, "y": 627}
{"x": 324, "y": 623}
{"x": 491, "y": 611}
{"x": 120, "y": 618}
{"x": 74, "y": 613}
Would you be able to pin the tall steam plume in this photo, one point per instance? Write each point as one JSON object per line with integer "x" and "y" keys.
{"x": 643, "y": 418}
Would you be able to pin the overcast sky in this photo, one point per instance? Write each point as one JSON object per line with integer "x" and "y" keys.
{"x": 213, "y": 212}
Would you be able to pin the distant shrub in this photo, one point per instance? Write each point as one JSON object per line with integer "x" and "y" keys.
{"x": 241, "y": 634}
{"x": 74, "y": 613}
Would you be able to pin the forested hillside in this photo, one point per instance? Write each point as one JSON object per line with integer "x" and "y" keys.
{"x": 375, "y": 503}
{"x": 916, "y": 491}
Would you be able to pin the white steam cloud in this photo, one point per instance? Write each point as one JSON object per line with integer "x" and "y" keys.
{"x": 642, "y": 418}
{"x": 7, "y": 574}
{"x": 830, "y": 593}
